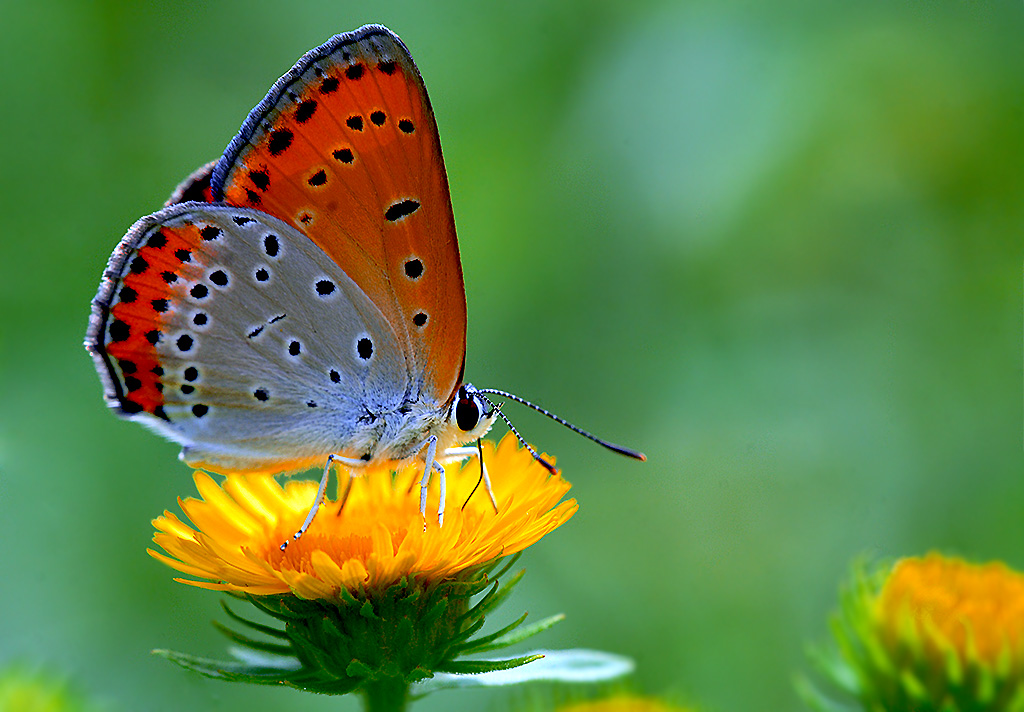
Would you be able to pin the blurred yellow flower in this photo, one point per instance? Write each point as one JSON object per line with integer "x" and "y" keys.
{"x": 973, "y": 611}
{"x": 930, "y": 633}
{"x": 378, "y": 539}
{"x": 623, "y": 703}
{"x": 23, "y": 689}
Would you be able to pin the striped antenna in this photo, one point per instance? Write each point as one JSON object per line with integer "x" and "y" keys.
{"x": 636, "y": 455}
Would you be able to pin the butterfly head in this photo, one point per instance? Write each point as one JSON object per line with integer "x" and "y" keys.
{"x": 471, "y": 413}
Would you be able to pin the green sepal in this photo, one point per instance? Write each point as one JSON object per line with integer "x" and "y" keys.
{"x": 573, "y": 666}
{"x": 266, "y": 647}
{"x": 233, "y": 671}
{"x": 473, "y": 667}
{"x": 481, "y": 643}
{"x": 265, "y": 629}
{"x": 403, "y": 633}
{"x": 493, "y": 598}
{"x": 517, "y": 636}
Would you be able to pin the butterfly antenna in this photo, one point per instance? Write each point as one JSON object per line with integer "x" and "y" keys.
{"x": 635, "y": 454}
{"x": 547, "y": 465}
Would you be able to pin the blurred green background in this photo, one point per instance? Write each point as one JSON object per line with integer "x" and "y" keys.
{"x": 777, "y": 246}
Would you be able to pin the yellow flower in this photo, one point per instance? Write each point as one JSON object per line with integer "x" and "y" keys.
{"x": 372, "y": 598}
{"x": 623, "y": 703}
{"x": 932, "y": 633}
{"x": 376, "y": 540}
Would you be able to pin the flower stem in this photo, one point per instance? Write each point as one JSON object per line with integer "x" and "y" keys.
{"x": 387, "y": 695}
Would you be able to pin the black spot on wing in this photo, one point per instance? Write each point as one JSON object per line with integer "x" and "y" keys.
{"x": 119, "y": 330}
{"x": 260, "y": 179}
{"x": 329, "y": 85}
{"x": 364, "y": 348}
{"x": 413, "y": 269}
{"x": 401, "y": 209}
{"x": 305, "y": 111}
{"x": 280, "y": 140}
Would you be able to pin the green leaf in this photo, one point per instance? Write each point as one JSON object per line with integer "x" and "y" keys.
{"x": 573, "y": 666}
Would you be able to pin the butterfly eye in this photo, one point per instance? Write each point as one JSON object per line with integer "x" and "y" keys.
{"x": 467, "y": 413}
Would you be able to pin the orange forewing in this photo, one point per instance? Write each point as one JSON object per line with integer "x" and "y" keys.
{"x": 345, "y": 149}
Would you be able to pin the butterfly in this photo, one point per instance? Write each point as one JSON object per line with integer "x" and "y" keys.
{"x": 301, "y": 300}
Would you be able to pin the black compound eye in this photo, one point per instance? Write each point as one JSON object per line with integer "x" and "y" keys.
{"x": 467, "y": 414}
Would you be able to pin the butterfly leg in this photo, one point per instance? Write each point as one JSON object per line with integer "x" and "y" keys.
{"x": 469, "y": 451}
{"x": 459, "y": 453}
{"x": 428, "y": 467}
{"x": 331, "y": 459}
{"x": 440, "y": 504}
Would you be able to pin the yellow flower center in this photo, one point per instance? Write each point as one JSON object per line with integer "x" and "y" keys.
{"x": 376, "y": 539}
{"x": 977, "y": 610}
